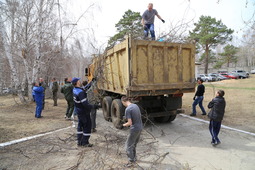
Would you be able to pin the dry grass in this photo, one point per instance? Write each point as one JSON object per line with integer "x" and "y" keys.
{"x": 18, "y": 120}
{"x": 240, "y": 99}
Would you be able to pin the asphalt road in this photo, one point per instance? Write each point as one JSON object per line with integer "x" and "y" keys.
{"x": 188, "y": 143}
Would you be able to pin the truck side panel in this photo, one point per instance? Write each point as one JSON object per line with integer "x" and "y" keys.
{"x": 114, "y": 70}
{"x": 147, "y": 68}
{"x": 162, "y": 66}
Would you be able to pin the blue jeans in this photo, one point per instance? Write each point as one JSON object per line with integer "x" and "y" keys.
{"x": 214, "y": 129}
{"x": 150, "y": 27}
{"x": 199, "y": 101}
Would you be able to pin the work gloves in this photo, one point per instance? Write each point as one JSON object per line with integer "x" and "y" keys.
{"x": 145, "y": 27}
{"x": 163, "y": 20}
{"x": 194, "y": 97}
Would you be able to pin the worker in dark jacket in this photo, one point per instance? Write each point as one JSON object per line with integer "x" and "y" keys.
{"x": 198, "y": 98}
{"x": 89, "y": 89}
{"x": 67, "y": 90}
{"x": 39, "y": 96}
{"x": 217, "y": 106}
{"x": 83, "y": 109}
{"x": 55, "y": 91}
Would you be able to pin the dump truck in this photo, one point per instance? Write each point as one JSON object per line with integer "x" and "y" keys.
{"x": 153, "y": 74}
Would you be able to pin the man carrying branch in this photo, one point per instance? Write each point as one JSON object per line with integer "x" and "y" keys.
{"x": 134, "y": 120}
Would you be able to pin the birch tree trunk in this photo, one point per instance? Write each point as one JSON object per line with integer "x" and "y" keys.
{"x": 28, "y": 77}
{"x": 1, "y": 66}
{"x": 8, "y": 53}
{"x": 38, "y": 55}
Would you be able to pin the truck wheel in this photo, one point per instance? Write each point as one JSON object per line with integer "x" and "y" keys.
{"x": 117, "y": 112}
{"x": 171, "y": 118}
{"x": 106, "y": 107}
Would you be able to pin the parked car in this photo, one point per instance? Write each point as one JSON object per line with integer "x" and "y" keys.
{"x": 252, "y": 71}
{"x": 212, "y": 77}
{"x": 6, "y": 90}
{"x": 247, "y": 74}
{"x": 230, "y": 75}
{"x": 215, "y": 75}
{"x": 241, "y": 73}
{"x": 220, "y": 77}
{"x": 201, "y": 76}
{"x": 206, "y": 77}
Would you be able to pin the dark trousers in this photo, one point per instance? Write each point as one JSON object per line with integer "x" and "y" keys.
{"x": 214, "y": 128}
{"x": 93, "y": 115}
{"x": 83, "y": 129}
{"x": 132, "y": 140}
{"x": 55, "y": 98}
{"x": 38, "y": 110}
{"x": 70, "y": 108}
{"x": 43, "y": 102}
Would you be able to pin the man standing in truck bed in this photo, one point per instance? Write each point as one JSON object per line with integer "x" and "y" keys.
{"x": 148, "y": 21}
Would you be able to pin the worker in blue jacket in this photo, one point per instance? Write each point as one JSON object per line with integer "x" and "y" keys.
{"x": 83, "y": 109}
{"x": 39, "y": 96}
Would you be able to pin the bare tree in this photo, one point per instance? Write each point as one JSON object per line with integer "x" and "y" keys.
{"x": 247, "y": 50}
{"x": 9, "y": 48}
{"x": 36, "y": 45}
{"x": 1, "y": 63}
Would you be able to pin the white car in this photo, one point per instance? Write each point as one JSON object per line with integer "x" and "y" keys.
{"x": 241, "y": 73}
{"x": 205, "y": 77}
{"x": 6, "y": 90}
{"x": 253, "y": 71}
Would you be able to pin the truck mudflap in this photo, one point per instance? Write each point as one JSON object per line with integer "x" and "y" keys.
{"x": 180, "y": 111}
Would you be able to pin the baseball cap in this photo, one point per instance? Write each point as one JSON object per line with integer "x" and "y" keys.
{"x": 75, "y": 79}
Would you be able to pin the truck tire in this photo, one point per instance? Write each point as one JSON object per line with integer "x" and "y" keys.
{"x": 117, "y": 113}
{"x": 106, "y": 107}
{"x": 171, "y": 118}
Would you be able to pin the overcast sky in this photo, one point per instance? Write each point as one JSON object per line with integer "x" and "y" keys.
{"x": 108, "y": 12}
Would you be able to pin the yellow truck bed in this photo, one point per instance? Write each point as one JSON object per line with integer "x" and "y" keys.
{"x": 146, "y": 68}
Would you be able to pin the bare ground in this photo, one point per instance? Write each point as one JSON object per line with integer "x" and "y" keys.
{"x": 59, "y": 150}
{"x": 18, "y": 120}
{"x": 240, "y": 102}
